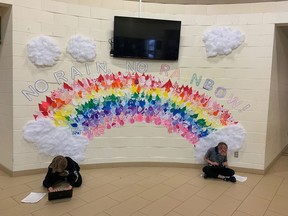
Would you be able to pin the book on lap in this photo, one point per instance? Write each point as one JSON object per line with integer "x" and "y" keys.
{"x": 60, "y": 194}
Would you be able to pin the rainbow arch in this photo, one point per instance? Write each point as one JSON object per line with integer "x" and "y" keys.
{"x": 92, "y": 105}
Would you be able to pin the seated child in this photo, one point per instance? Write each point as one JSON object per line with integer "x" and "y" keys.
{"x": 62, "y": 169}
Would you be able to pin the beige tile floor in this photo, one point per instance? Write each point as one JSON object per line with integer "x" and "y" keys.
{"x": 153, "y": 191}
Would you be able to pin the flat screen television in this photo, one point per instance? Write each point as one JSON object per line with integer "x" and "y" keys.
{"x": 144, "y": 38}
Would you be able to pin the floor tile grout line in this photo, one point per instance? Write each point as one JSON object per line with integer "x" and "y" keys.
{"x": 274, "y": 195}
{"x": 249, "y": 195}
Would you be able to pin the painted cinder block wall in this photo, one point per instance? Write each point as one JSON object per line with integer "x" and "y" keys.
{"x": 6, "y": 89}
{"x": 277, "y": 136}
{"x": 246, "y": 73}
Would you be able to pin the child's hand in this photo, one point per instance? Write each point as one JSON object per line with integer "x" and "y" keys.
{"x": 68, "y": 187}
{"x": 215, "y": 164}
{"x": 51, "y": 189}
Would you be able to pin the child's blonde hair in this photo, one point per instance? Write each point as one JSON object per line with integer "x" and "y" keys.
{"x": 58, "y": 164}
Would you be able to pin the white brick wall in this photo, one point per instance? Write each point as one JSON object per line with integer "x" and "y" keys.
{"x": 245, "y": 73}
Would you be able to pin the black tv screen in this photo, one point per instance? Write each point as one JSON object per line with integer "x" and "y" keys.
{"x": 146, "y": 38}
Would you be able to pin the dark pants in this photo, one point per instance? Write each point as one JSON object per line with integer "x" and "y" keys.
{"x": 56, "y": 178}
{"x": 214, "y": 171}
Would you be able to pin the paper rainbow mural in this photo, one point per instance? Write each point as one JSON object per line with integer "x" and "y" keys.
{"x": 90, "y": 106}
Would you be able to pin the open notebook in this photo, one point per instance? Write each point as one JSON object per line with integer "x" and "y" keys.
{"x": 60, "y": 194}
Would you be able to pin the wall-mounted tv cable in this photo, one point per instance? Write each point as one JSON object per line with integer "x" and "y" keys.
{"x": 110, "y": 41}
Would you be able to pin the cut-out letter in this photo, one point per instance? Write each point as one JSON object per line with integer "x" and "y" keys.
{"x": 60, "y": 75}
{"x": 208, "y": 85}
{"x": 102, "y": 67}
{"x": 41, "y": 86}
{"x": 220, "y": 92}
{"x": 164, "y": 68}
{"x": 75, "y": 72}
{"x": 194, "y": 77}
{"x": 27, "y": 94}
{"x": 234, "y": 101}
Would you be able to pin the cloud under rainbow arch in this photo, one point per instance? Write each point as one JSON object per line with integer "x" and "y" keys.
{"x": 91, "y": 106}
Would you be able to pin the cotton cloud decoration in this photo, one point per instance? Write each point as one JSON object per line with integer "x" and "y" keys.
{"x": 222, "y": 40}
{"x": 81, "y": 48}
{"x": 51, "y": 140}
{"x": 234, "y": 136}
{"x": 43, "y": 51}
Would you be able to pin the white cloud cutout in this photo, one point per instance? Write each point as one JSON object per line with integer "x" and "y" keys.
{"x": 81, "y": 48}
{"x": 43, "y": 51}
{"x": 222, "y": 40}
{"x": 234, "y": 136}
{"x": 51, "y": 140}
